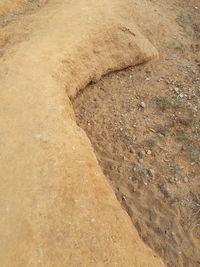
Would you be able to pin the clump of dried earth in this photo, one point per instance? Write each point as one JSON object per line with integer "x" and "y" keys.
{"x": 144, "y": 125}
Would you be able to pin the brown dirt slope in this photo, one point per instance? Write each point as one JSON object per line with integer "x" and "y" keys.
{"x": 57, "y": 208}
{"x": 144, "y": 124}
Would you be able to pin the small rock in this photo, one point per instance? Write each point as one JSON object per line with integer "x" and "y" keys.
{"x": 148, "y": 152}
{"x": 185, "y": 180}
{"x": 181, "y": 95}
{"x": 172, "y": 180}
{"x": 123, "y": 197}
{"x": 151, "y": 172}
{"x": 176, "y": 89}
{"x": 142, "y": 104}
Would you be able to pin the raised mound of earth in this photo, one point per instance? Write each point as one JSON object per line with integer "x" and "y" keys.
{"x": 57, "y": 209}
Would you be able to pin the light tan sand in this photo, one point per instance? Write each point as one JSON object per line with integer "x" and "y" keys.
{"x": 56, "y": 207}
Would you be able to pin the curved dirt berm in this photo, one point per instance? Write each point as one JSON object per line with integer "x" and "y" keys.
{"x": 56, "y": 207}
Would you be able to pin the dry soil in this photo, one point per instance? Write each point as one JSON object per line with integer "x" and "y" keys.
{"x": 144, "y": 125}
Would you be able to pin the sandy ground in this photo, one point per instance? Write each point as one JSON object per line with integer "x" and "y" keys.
{"x": 13, "y": 9}
{"x": 144, "y": 125}
{"x": 56, "y": 206}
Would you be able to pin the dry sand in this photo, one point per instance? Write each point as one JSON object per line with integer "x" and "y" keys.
{"x": 56, "y": 206}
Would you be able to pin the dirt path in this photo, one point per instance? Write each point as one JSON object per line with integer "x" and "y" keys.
{"x": 144, "y": 124}
{"x": 56, "y": 206}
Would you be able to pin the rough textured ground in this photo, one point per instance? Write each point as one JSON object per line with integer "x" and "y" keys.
{"x": 56, "y": 206}
{"x": 13, "y": 9}
{"x": 144, "y": 124}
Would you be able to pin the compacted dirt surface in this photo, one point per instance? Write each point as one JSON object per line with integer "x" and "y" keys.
{"x": 57, "y": 209}
{"x": 56, "y": 205}
{"x": 144, "y": 125}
